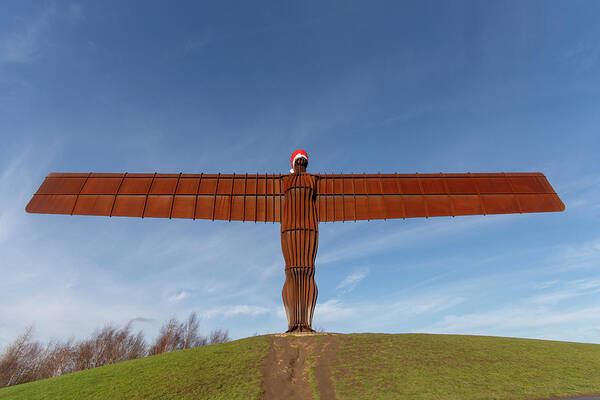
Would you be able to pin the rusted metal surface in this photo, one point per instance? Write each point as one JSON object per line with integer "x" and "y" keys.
{"x": 195, "y": 196}
{"x": 299, "y": 240}
{"x": 299, "y": 201}
{"x": 385, "y": 196}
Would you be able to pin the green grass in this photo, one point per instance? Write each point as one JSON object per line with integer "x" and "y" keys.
{"x": 367, "y": 366}
{"x": 420, "y": 366}
{"x": 223, "y": 371}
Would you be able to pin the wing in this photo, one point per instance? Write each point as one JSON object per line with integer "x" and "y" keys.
{"x": 227, "y": 197}
{"x": 349, "y": 197}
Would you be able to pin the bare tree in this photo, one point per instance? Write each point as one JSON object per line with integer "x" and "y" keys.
{"x": 26, "y": 360}
{"x": 218, "y": 336}
{"x": 108, "y": 346}
{"x": 20, "y": 361}
{"x": 179, "y": 336}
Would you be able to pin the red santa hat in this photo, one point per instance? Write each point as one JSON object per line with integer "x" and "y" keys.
{"x": 297, "y": 154}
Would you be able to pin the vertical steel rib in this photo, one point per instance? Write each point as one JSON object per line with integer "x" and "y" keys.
{"x": 256, "y": 197}
{"x": 367, "y": 196}
{"x": 197, "y": 194}
{"x": 231, "y": 196}
{"x": 79, "y": 192}
{"x": 116, "y": 194}
{"x": 354, "y": 196}
{"x": 174, "y": 194}
{"x": 215, "y": 196}
{"x": 244, "y": 198}
{"x": 148, "y": 194}
{"x": 325, "y": 195}
{"x": 280, "y": 200}
{"x": 273, "y": 199}
{"x": 332, "y": 181}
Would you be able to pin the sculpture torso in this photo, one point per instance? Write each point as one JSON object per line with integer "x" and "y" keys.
{"x": 299, "y": 225}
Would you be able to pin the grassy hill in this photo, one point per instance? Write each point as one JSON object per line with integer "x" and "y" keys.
{"x": 357, "y": 366}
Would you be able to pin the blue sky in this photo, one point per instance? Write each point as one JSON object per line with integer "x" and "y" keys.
{"x": 363, "y": 87}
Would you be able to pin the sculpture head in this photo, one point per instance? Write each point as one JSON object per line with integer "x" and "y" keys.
{"x": 299, "y": 161}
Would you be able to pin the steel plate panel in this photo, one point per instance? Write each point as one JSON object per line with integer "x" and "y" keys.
{"x": 260, "y": 208}
{"x": 135, "y": 185}
{"x": 237, "y": 208}
{"x": 540, "y": 203}
{"x": 434, "y": 185}
{"x": 250, "y": 208}
{"x": 61, "y": 186}
{"x": 221, "y": 208}
{"x": 51, "y": 204}
{"x": 500, "y": 204}
{"x": 389, "y": 186}
{"x": 183, "y": 206}
{"x": 438, "y": 206}
{"x": 360, "y": 186}
{"x": 164, "y": 186}
{"x": 461, "y": 185}
{"x": 94, "y": 205}
{"x": 225, "y": 186}
{"x": 376, "y": 207}
{"x": 467, "y": 205}
{"x": 349, "y": 208}
{"x": 251, "y": 185}
{"x": 101, "y": 185}
{"x": 260, "y": 185}
{"x": 493, "y": 185}
{"x": 204, "y": 207}
{"x": 362, "y": 208}
{"x": 208, "y": 186}
{"x": 158, "y": 206}
{"x": 409, "y": 186}
{"x": 415, "y": 206}
{"x": 188, "y": 186}
{"x": 128, "y": 206}
{"x": 394, "y": 207}
{"x": 525, "y": 184}
{"x": 238, "y": 185}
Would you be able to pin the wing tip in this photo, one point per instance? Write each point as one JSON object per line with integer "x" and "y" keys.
{"x": 29, "y": 208}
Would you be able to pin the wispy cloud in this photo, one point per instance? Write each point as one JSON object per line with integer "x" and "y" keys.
{"x": 384, "y": 312}
{"x": 572, "y": 304}
{"x": 584, "y": 55}
{"x": 577, "y": 256}
{"x": 26, "y": 41}
{"x": 391, "y": 237}
{"x": 349, "y": 282}
{"x": 235, "y": 310}
{"x": 514, "y": 319}
{"x": 176, "y": 298}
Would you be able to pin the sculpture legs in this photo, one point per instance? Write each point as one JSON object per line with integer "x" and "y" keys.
{"x": 299, "y": 298}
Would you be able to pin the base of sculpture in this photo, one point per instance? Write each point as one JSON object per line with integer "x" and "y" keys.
{"x": 300, "y": 328}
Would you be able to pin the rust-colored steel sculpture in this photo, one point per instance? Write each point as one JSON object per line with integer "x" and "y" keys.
{"x": 299, "y": 201}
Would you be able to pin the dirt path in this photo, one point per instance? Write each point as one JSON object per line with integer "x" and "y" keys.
{"x": 291, "y": 357}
